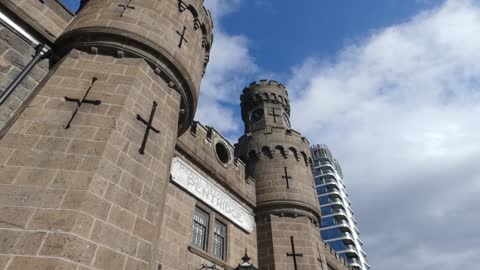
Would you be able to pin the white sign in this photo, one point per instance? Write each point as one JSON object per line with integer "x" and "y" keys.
{"x": 207, "y": 191}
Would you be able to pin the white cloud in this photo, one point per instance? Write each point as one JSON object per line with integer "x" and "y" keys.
{"x": 400, "y": 110}
{"x": 220, "y": 8}
{"x": 230, "y": 65}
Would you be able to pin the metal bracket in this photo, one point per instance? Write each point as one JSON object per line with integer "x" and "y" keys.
{"x": 203, "y": 267}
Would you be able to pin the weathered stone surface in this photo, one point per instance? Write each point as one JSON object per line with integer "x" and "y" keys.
{"x": 29, "y": 243}
{"x": 35, "y": 177}
{"x": 48, "y": 17}
{"x": 14, "y": 217}
{"x": 3, "y": 261}
{"x": 8, "y": 174}
{"x": 107, "y": 259}
{"x": 72, "y": 180}
{"x": 8, "y": 238}
{"x": 68, "y": 246}
{"x": 24, "y": 263}
{"x": 30, "y": 196}
{"x": 83, "y": 196}
{"x": 15, "y": 53}
{"x": 122, "y": 218}
{"x": 53, "y": 220}
{"x": 110, "y": 236}
{"x": 87, "y": 202}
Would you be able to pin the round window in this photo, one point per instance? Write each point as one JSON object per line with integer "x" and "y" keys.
{"x": 222, "y": 152}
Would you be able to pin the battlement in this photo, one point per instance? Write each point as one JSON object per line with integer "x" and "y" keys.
{"x": 264, "y": 91}
{"x": 214, "y": 154}
{"x": 274, "y": 88}
{"x": 201, "y": 20}
{"x": 291, "y": 145}
{"x": 264, "y": 84}
{"x": 206, "y": 135}
{"x": 173, "y": 36}
{"x": 279, "y": 151}
{"x": 209, "y": 16}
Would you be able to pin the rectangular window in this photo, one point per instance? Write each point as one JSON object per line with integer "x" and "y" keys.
{"x": 219, "y": 240}
{"x": 209, "y": 233}
{"x": 200, "y": 229}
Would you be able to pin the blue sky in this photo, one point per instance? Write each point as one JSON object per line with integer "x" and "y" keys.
{"x": 319, "y": 28}
{"x": 392, "y": 87}
{"x": 295, "y": 30}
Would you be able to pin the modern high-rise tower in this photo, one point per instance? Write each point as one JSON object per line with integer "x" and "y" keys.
{"x": 338, "y": 227}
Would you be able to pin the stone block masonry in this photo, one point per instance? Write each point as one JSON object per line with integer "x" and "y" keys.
{"x": 153, "y": 28}
{"x": 287, "y": 211}
{"x": 15, "y": 53}
{"x": 48, "y": 18}
{"x": 176, "y": 235}
{"x": 84, "y": 196}
{"x": 87, "y": 142}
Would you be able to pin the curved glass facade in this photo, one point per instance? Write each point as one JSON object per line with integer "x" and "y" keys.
{"x": 338, "y": 228}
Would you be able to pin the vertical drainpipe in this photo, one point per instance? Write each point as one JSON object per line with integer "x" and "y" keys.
{"x": 42, "y": 51}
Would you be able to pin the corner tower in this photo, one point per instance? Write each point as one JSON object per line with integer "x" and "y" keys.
{"x": 278, "y": 158}
{"x": 174, "y": 37}
{"x": 84, "y": 168}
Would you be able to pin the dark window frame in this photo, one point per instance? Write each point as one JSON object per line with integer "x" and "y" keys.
{"x": 218, "y": 235}
{"x": 213, "y": 218}
{"x": 197, "y": 224}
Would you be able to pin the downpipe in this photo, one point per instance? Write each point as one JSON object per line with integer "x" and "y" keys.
{"x": 42, "y": 51}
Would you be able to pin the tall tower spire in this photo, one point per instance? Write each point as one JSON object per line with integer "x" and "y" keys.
{"x": 278, "y": 158}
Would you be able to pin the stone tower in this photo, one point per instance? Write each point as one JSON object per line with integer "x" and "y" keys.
{"x": 278, "y": 158}
{"x": 84, "y": 167}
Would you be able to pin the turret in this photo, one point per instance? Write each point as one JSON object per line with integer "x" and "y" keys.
{"x": 173, "y": 36}
{"x": 265, "y": 105}
{"x": 277, "y": 157}
{"x": 279, "y": 160}
{"x": 124, "y": 84}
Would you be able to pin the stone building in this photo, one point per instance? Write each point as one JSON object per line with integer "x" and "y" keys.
{"x": 103, "y": 167}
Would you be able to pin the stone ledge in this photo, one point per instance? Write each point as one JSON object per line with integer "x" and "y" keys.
{"x": 209, "y": 257}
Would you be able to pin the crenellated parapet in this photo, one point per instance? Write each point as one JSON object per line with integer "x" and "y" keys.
{"x": 264, "y": 83}
{"x": 173, "y": 36}
{"x": 203, "y": 22}
{"x": 281, "y": 164}
{"x": 279, "y": 159}
{"x": 209, "y": 150}
{"x": 264, "y": 91}
{"x": 277, "y": 156}
{"x": 290, "y": 146}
